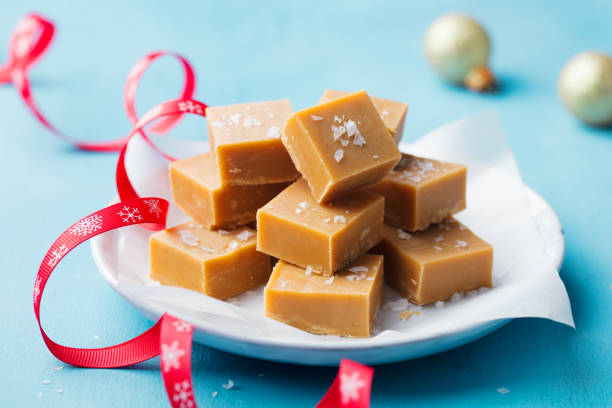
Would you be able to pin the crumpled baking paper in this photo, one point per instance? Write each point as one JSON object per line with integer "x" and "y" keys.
{"x": 524, "y": 231}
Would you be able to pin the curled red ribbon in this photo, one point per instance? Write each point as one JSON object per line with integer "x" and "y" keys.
{"x": 29, "y": 41}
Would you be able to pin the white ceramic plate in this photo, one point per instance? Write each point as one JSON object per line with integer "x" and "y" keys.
{"x": 108, "y": 250}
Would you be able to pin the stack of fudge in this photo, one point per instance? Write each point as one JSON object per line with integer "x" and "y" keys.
{"x": 338, "y": 208}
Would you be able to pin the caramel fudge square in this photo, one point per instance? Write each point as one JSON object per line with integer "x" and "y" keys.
{"x": 393, "y": 113}
{"x": 432, "y": 265}
{"x": 245, "y": 140}
{"x": 340, "y": 145}
{"x": 343, "y": 305}
{"x": 323, "y": 237}
{"x": 419, "y": 192}
{"x": 196, "y": 190}
{"x": 220, "y": 263}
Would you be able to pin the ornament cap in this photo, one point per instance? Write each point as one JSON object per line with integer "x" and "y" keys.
{"x": 481, "y": 79}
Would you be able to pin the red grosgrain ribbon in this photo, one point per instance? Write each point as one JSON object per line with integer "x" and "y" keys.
{"x": 351, "y": 388}
{"x": 170, "y": 338}
{"x": 167, "y": 109}
{"x": 30, "y": 40}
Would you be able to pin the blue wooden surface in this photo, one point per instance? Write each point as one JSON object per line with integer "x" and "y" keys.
{"x": 261, "y": 51}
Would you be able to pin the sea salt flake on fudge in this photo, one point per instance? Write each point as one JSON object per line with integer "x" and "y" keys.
{"x": 343, "y": 305}
{"x": 198, "y": 192}
{"x": 393, "y": 113}
{"x": 419, "y": 192}
{"x": 245, "y": 140}
{"x": 217, "y": 265}
{"x": 426, "y": 270}
{"x": 335, "y": 153}
{"x": 311, "y": 238}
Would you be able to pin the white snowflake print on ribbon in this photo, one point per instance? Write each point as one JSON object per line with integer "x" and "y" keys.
{"x": 129, "y": 214}
{"x": 350, "y": 386}
{"x": 37, "y": 284}
{"x": 56, "y": 255}
{"x": 189, "y": 106}
{"x": 170, "y": 356}
{"x": 181, "y": 326}
{"x": 183, "y": 394}
{"x": 154, "y": 208}
{"x": 86, "y": 226}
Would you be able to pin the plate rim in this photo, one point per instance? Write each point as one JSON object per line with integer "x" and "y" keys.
{"x": 305, "y": 345}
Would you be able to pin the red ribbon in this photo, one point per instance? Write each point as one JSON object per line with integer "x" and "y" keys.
{"x": 170, "y": 338}
{"x": 29, "y": 41}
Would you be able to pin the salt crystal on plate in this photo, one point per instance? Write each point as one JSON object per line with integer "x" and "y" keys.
{"x": 308, "y": 271}
{"x": 244, "y": 235}
{"x": 46, "y": 382}
{"x": 503, "y": 390}
{"x": 397, "y": 305}
{"x": 228, "y": 385}
{"x": 456, "y": 297}
{"x": 39, "y": 394}
{"x": 214, "y": 394}
{"x": 58, "y": 368}
{"x": 403, "y": 234}
{"x": 440, "y": 303}
{"x": 59, "y": 390}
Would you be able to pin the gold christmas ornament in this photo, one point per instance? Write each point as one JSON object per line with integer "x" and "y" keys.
{"x": 585, "y": 87}
{"x": 458, "y": 48}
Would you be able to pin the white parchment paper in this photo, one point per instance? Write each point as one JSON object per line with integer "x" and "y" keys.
{"x": 526, "y": 283}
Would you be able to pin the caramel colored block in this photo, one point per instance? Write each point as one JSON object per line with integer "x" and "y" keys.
{"x": 393, "y": 113}
{"x": 343, "y": 305}
{"x": 340, "y": 145}
{"x": 434, "y": 264}
{"x": 419, "y": 192}
{"x": 295, "y": 228}
{"x": 245, "y": 139}
{"x": 197, "y": 191}
{"x": 220, "y": 263}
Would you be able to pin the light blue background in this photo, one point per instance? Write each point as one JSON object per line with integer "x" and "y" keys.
{"x": 261, "y": 51}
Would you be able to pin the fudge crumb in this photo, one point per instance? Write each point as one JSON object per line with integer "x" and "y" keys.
{"x": 403, "y": 234}
{"x": 228, "y": 385}
{"x": 316, "y": 117}
{"x": 406, "y": 314}
{"x": 339, "y": 219}
{"x": 339, "y": 155}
